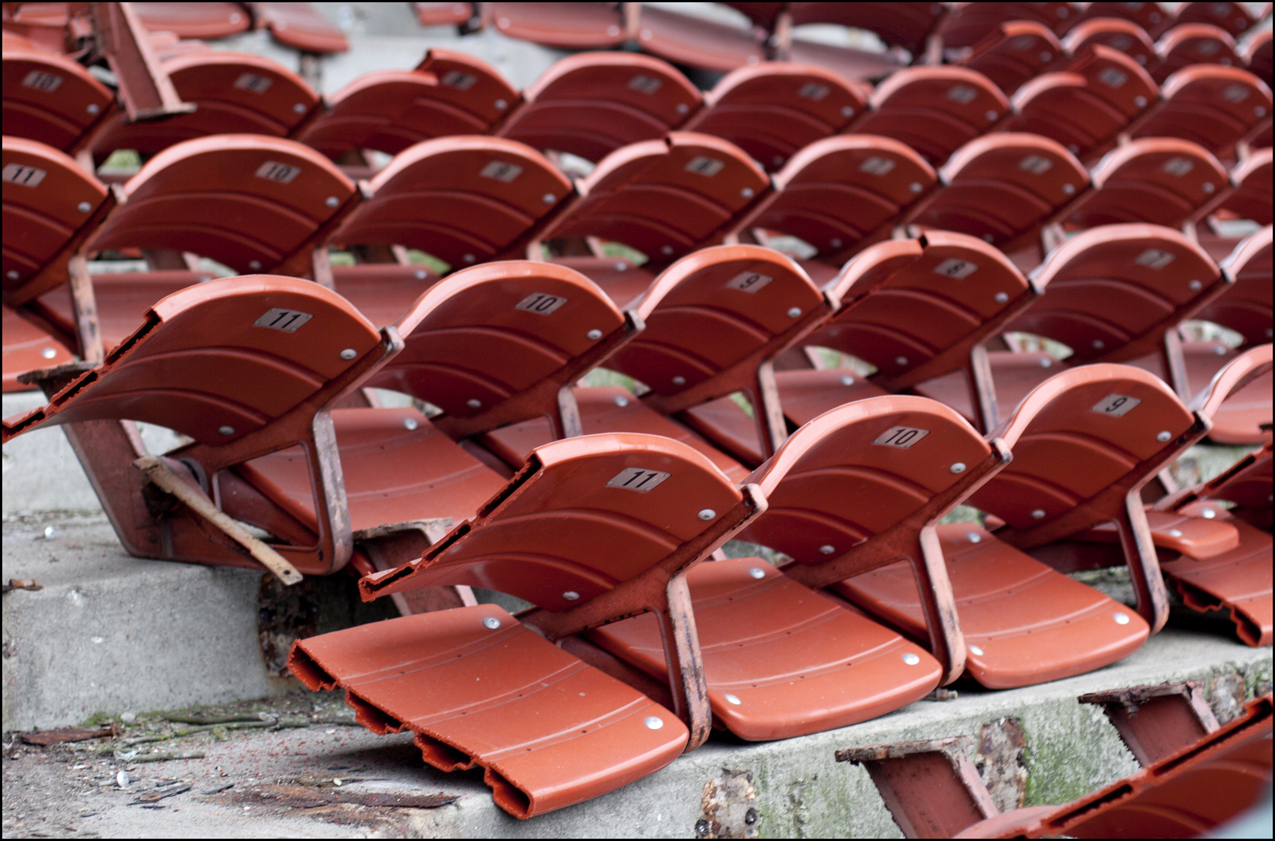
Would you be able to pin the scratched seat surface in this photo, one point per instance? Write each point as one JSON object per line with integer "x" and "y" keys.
{"x": 665, "y": 197}
{"x": 464, "y": 200}
{"x": 28, "y": 347}
{"x": 1194, "y": 43}
{"x": 1086, "y": 104}
{"x": 934, "y": 110}
{"x": 1014, "y": 53}
{"x": 567, "y": 26}
{"x": 249, "y": 202}
{"x": 1002, "y": 186}
{"x": 1210, "y": 105}
{"x": 51, "y": 98}
{"x": 475, "y": 687}
{"x": 591, "y": 104}
{"x": 782, "y": 660}
{"x": 1163, "y": 181}
{"x": 1024, "y": 622}
{"x": 773, "y": 109}
{"x": 233, "y": 94}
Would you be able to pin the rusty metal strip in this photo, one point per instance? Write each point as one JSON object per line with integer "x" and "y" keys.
{"x": 1156, "y": 722}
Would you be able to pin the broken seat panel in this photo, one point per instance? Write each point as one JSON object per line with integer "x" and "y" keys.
{"x": 781, "y": 660}
{"x": 478, "y": 688}
{"x": 28, "y": 348}
{"x": 1023, "y": 622}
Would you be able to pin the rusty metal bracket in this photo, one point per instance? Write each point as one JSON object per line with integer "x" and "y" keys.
{"x": 1156, "y": 722}
{"x": 146, "y": 90}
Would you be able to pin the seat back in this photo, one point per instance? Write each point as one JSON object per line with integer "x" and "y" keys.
{"x": 934, "y": 110}
{"x": 1001, "y": 187}
{"x": 905, "y": 24}
{"x": 1235, "y": 18}
{"x": 51, "y": 98}
{"x": 464, "y": 200}
{"x": 1251, "y": 368}
{"x": 1250, "y": 197}
{"x": 1162, "y": 181}
{"x": 1124, "y": 36}
{"x": 1015, "y": 52}
{"x": 1211, "y": 105}
{"x": 773, "y": 109}
{"x": 591, "y": 104}
{"x": 387, "y": 110}
{"x": 664, "y": 197}
{"x": 233, "y": 94}
{"x": 470, "y": 91}
{"x": 1151, "y": 18}
{"x": 251, "y": 203}
{"x": 1246, "y": 306}
{"x": 967, "y": 23}
{"x": 195, "y": 20}
{"x": 1194, "y": 43}
{"x": 493, "y": 344}
{"x": 566, "y": 26}
{"x": 51, "y": 206}
{"x": 1258, "y": 54}
{"x": 843, "y": 192}
{"x": 1111, "y": 292}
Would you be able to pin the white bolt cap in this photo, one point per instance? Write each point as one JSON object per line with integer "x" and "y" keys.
{"x": 410, "y": 423}
{"x": 226, "y": 430}
{"x": 757, "y": 572}
{"x": 707, "y": 514}
{"x": 1038, "y": 514}
{"x": 734, "y": 699}
{"x": 491, "y": 623}
{"x": 975, "y": 650}
{"x": 959, "y": 467}
{"x": 1163, "y": 436}
{"x": 84, "y": 207}
{"x": 571, "y": 595}
{"x": 654, "y": 722}
{"x": 48, "y": 353}
{"x": 331, "y": 201}
{"x": 474, "y": 403}
{"x": 827, "y": 549}
{"x": 911, "y": 659}
{"x": 621, "y": 401}
{"x": 846, "y": 379}
{"x": 793, "y": 312}
{"x": 349, "y": 353}
{"x": 1121, "y": 618}
{"x": 594, "y": 334}
{"x": 975, "y": 537}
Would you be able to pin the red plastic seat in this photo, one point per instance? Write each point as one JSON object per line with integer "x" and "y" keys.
{"x": 387, "y": 111}
{"x": 194, "y": 20}
{"x": 1211, "y": 105}
{"x": 697, "y": 42}
{"x": 1151, "y": 18}
{"x": 1193, "y": 43}
{"x": 967, "y": 23}
{"x": 442, "y": 14}
{"x": 850, "y": 63}
{"x": 1235, "y": 18}
{"x": 463, "y": 200}
{"x": 566, "y": 26}
{"x": 1251, "y": 196}
{"x": 299, "y": 26}
{"x": 1087, "y": 104}
{"x": 935, "y": 110}
{"x": 593, "y": 103}
{"x": 251, "y": 203}
{"x": 1257, "y": 54}
{"x": 908, "y": 25}
{"x": 1014, "y": 53}
{"x": 52, "y": 99}
{"x": 27, "y": 347}
{"x": 1123, "y": 36}
{"x": 774, "y": 109}
{"x": 233, "y": 94}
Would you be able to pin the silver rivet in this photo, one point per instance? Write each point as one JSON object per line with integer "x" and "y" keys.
{"x": 646, "y": 35}
{"x": 298, "y": 108}
{"x": 666, "y": 250}
{"x": 1208, "y": 513}
{"x": 621, "y": 401}
{"x": 900, "y": 360}
{"x": 1068, "y": 189}
{"x": 1046, "y": 362}
{"x": 620, "y": 267}
{"x": 1174, "y": 532}
{"x": 846, "y": 379}
{"x": 847, "y": 111}
{"x": 911, "y": 659}
{"x": 682, "y": 108}
{"x": 226, "y": 430}
{"x": 474, "y": 403}
{"x": 491, "y": 623}
{"x": 349, "y": 353}
{"x": 1163, "y": 436}
{"x": 255, "y": 265}
{"x": 1259, "y": 111}
{"x": 959, "y": 467}
{"x": 468, "y": 258}
{"x": 613, "y": 31}
{"x": 1121, "y": 618}
{"x": 92, "y": 108}
{"x": 501, "y": 105}
{"x": 548, "y": 198}
{"x": 1046, "y": 56}
{"x": 654, "y": 722}
{"x": 734, "y": 699}
{"x": 13, "y": 274}
{"x": 421, "y": 274}
{"x": 975, "y": 650}
{"x": 1140, "y": 101}
{"x": 827, "y": 549}
{"x": 915, "y": 186}
{"x": 84, "y": 207}
{"x": 835, "y": 242}
{"x": 410, "y": 423}
{"x": 1099, "y": 344}
{"x": 1195, "y": 286}
{"x": 48, "y": 353}
{"x": 1220, "y": 350}
{"x": 1001, "y": 297}
{"x": 755, "y": 572}
{"x": 594, "y": 335}
{"x": 1038, "y": 514}
{"x": 747, "y": 192}
{"x": 975, "y": 537}
{"x": 793, "y": 312}
{"x": 1208, "y": 187}
{"x": 679, "y": 380}
{"x": 991, "y": 116}
{"x": 571, "y": 595}
{"x": 707, "y": 514}
{"x": 331, "y": 201}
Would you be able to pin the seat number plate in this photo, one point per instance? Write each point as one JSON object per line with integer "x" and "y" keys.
{"x": 1154, "y": 258}
{"x": 902, "y": 437}
{"x": 637, "y": 479}
{"x": 289, "y": 321}
{"x": 27, "y": 176}
{"x": 705, "y": 166}
{"x": 273, "y": 171}
{"x": 1116, "y": 405}
{"x": 749, "y": 282}
{"x": 41, "y": 81}
{"x": 501, "y": 171}
{"x": 877, "y": 166}
{"x": 959, "y": 269}
{"x": 1036, "y": 165}
{"x": 540, "y": 303}
{"x": 645, "y": 84}
{"x": 813, "y": 91}
{"x": 460, "y": 81}
{"x": 254, "y": 83}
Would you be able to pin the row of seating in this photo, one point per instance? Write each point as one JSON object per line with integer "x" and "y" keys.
{"x": 590, "y": 104}
{"x": 596, "y": 528}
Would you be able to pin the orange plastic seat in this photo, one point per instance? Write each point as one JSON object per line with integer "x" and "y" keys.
{"x": 249, "y": 202}
{"x": 1085, "y": 105}
{"x": 1210, "y": 105}
{"x": 1161, "y": 181}
{"x": 1014, "y": 53}
{"x": 1123, "y": 36}
{"x": 694, "y": 41}
{"x": 1001, "y": 187}
{"x": 51, "y": 99}
{"x": 934, "y": 110}
{"x": 1193, "y": 43}
{"x": 774, "y": 109}
{"x": 233, "y": 94}
{"x": 463, "y": 200}
{"x": 567, "y": 26}
{"x": 593, "y": 103}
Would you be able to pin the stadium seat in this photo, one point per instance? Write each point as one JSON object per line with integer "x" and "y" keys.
{"x": 1214, "y": 106}
{"x": 52, "y": 99}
